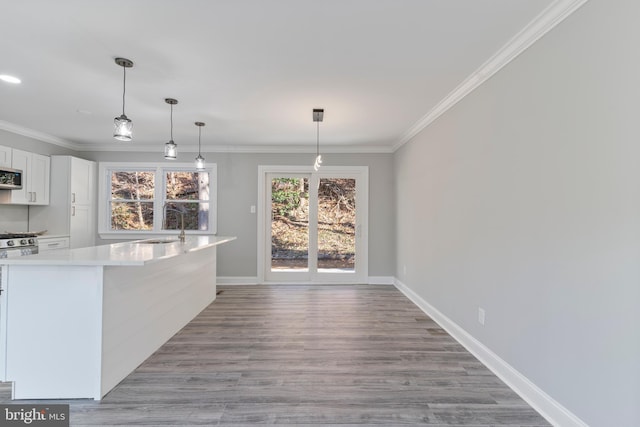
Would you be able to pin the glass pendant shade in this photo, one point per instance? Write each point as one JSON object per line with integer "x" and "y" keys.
{"x": 170, "y": 150}
{"x": 199, "y": 163}
{"x": 122, "y": 128}
{"x": 318, "y": 162}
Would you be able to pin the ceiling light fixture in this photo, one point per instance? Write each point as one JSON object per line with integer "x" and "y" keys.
{"x": 318, "y": 115}
{"x": 199, "y": 159}
{"x": 171, "y": 148}
{"x": 122, "y": 124}
{"x": 10, "y": 79}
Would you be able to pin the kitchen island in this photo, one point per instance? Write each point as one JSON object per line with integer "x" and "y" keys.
{"x": 75, "y": 322}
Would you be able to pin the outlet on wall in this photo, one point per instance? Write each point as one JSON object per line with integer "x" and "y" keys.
{"x": 481, "y": 316}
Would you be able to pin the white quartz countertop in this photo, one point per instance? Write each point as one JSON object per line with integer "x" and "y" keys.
{"x": 129, "y": 253}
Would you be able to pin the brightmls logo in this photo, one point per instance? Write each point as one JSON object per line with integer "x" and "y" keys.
{"x": 34, "y": 415}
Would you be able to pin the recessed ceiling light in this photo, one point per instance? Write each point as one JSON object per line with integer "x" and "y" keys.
{"x": 10, "y": 79}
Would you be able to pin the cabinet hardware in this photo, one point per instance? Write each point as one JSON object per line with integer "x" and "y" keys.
{"x": 73, "y": 211}
{"x": 73, "y": 197}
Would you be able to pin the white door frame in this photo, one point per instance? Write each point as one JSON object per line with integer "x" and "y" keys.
{"x": 361, "y": 174}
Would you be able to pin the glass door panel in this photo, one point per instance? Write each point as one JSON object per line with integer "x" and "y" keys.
{"x": 289, "y": 224}
{"x": 336, "y": 225}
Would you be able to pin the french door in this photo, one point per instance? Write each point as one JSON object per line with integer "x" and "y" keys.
{"x": 313, "y": 225}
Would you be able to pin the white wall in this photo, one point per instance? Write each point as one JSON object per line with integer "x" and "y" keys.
{"x": 524, "y": 199}
{"x": 238, "y": 190}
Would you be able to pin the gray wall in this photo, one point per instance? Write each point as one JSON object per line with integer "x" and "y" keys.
{"x": 238, "y": 190}
{"x": 524, "y": 199}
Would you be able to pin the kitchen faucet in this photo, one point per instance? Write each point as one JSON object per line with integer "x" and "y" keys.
{"x": 165, "y": 209}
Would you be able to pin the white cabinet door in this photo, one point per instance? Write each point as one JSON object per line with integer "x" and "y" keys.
{"x": 81, "y": 232}
{"x": 21, "y": 160}
{"x": 38, "y": 179}
{"x": 82, "y": 179}
{"x": 5, "y": 156}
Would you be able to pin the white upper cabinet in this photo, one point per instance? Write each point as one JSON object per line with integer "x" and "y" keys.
{"x": 35, "y": 179}
{"x": 39, "y": 171}
{"x": 82, "y": 181}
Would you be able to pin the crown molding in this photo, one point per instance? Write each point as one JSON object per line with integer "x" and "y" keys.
{"x": 40, "y": 136}
{"x": 249, "y": 149}
{"x": 146, "y": 148}
{"x": 554, "y": 14}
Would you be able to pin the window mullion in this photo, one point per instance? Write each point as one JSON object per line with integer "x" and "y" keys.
{"x": 158, "y": 202}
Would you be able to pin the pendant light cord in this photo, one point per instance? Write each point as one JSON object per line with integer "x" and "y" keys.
{"x": 124, "y": 86}
{"x": 199, "y": 134}
{"x": 171, "y": 122}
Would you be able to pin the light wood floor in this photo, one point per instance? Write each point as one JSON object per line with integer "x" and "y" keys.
{"x": 309, "y": 355}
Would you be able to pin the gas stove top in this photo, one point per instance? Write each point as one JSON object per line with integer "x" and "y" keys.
{"x": 18, "y": 241}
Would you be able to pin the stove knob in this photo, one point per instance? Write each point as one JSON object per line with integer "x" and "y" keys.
{"x": 32, "y": 241}
{"x": 23, "y": 241}
{"x": 10, "y": 243}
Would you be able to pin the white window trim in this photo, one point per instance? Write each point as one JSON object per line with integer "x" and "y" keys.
{"x": 104, "y": 190}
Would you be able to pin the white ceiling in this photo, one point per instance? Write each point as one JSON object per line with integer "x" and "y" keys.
{"x": 252, "y": 70}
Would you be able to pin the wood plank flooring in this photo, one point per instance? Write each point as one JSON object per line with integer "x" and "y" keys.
{"x": 308, "y": 355}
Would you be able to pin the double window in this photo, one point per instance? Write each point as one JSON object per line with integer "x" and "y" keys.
{"x": 155, "y": 199}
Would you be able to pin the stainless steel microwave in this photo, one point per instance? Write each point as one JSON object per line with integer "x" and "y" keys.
{"x": 10, "y": 179}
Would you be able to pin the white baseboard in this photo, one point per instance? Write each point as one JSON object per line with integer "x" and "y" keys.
{"x": 237, "y": 280}
{"x": 550, "y": 409}
{"x": 381, "y": 280}
{"x": 253, "y": 280}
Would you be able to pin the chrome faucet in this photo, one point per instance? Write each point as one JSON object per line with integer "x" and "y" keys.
{"x": 181, "y": 236}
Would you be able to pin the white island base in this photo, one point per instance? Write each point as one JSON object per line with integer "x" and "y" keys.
{"x": 77, "y": 322}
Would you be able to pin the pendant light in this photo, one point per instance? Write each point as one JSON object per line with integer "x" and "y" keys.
{"x": 171, "y": 148}
{"x": 122, "y": 124}
{"x": 318, "y": 115}
{"x": 199, "y": 159}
